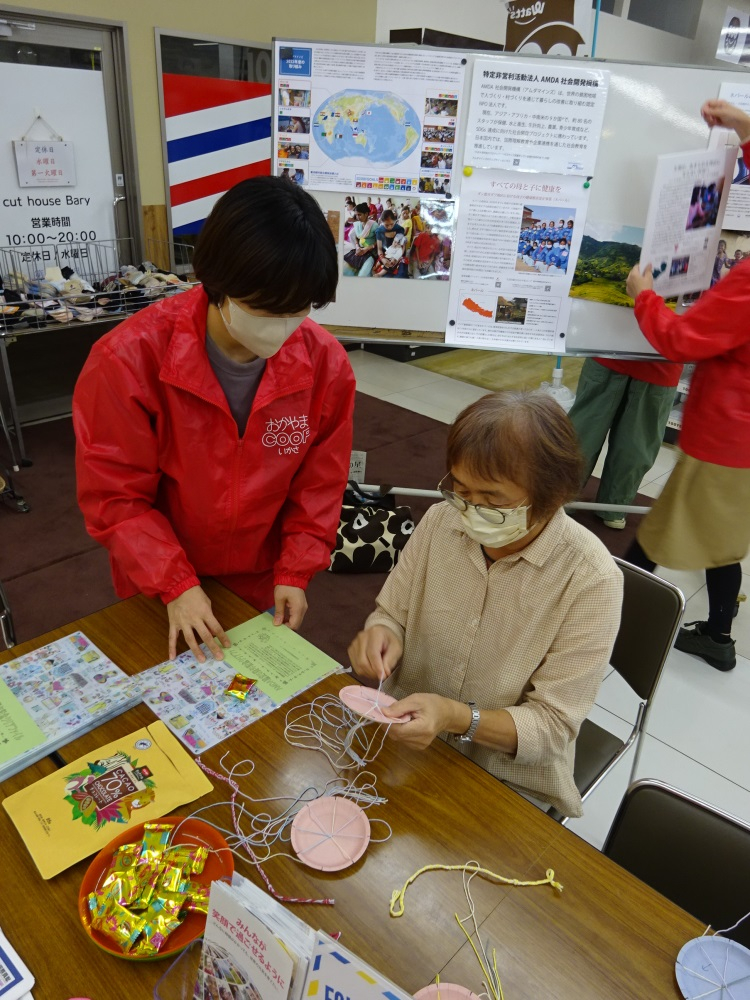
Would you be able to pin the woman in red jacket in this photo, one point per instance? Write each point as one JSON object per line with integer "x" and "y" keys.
{"x": 702, "y": 518}
{"x": 213, "y": 429}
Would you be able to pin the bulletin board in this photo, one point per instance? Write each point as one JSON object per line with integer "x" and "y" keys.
{"x": 651, "y": 110}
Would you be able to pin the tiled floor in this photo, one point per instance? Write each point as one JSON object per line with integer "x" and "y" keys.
{"x": 699, "y": 729}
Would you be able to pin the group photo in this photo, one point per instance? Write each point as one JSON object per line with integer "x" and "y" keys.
{"x": 545, "y": 239}
{"x": 397, "y": 238}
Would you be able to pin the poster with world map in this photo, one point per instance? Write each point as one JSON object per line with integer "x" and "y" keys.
{"x": 366, "y": 118}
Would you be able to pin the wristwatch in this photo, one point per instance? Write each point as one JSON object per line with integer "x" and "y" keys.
{"x": 468, "y": 736}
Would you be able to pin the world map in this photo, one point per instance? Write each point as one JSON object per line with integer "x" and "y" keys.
{"x": 370, "y": 126}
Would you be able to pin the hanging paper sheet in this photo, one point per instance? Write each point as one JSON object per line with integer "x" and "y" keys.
{"x": 517, "y": 242}
{"x": 684, "y": 219}
{"x": 526, "y": 115}
{"x": 365, "y": 117}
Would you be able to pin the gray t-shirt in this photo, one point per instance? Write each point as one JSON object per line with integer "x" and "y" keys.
{"x": 238, "y": 379}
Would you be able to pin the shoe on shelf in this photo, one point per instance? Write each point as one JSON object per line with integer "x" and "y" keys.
{"x": 694, "y": 639}
{"x": 618, "y": 523}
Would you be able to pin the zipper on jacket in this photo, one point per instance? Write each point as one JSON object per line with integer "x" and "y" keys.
{"x": 234, "y": 501}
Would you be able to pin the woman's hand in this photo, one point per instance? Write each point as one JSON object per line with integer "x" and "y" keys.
{"x": 291, "y": 605}
{"x": 375, "y": 652}
{"x": 431, "y": 714}
{"x": 726, "y": 115}
{"x": 638, "y": 282}
{"x": 191, "y": 614}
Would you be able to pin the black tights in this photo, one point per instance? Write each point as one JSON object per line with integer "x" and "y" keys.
{"x": 723, "y": 584}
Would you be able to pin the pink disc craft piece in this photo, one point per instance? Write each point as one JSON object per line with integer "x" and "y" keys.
{"x": 369, "y": 703}
{"x": 445, "y": 991}
{"x": 330, "y": 833}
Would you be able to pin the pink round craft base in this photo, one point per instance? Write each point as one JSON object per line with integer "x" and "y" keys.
{"x": 368, "y": 702}
{"x": 330, "y": 833}
{"x": 445, "y": 991}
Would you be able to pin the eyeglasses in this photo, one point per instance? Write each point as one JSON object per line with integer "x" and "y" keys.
{"x": 494, "y": 515}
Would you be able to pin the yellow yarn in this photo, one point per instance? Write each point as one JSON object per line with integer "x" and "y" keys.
{"x": 397, "y": 896}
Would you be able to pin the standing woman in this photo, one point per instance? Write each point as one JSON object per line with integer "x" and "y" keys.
{"x": 702, "y": 518}
{"x": 213, "y": 429}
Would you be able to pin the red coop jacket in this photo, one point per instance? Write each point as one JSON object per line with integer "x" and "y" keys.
{"x": 165, "y": 481}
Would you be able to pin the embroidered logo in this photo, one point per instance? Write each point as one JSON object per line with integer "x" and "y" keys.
{"x": 287, "y": 434}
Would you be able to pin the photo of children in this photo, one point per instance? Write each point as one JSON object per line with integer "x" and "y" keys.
{"x": 437, "y": 159}
{"x": 294, "y": 98}
{"x": 544, "y": 240}
{"x": 289, "y": 150}
{"x": 732, "y": 248}
{"x": 438, "y": 133}
{"x": 435, "y": 183}
{"x": 293, "y": 126}
{"x": 444, "y": 107}
{"x": 679, "y": 265}
{"x": 511, "y": 310}
{"x": 704, "y": 205}
{"x": 397, "y": 238}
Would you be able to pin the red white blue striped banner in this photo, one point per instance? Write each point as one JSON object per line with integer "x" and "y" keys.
{"x": 218, "y": 133}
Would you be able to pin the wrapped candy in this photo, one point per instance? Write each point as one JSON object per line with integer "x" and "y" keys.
{"x": 147, "y": 891}
{"x": 239, "y": 687}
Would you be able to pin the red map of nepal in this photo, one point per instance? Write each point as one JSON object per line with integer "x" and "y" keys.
{"x": 474, "y": 307}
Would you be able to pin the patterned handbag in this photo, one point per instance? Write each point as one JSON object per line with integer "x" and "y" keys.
{"x": 371, "y": 533}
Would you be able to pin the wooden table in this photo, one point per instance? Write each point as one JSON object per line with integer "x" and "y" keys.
{"x": 606, "y": 936}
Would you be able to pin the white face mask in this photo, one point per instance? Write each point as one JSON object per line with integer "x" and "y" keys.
{"x": 496, "y": 536}
{"x": 263, "y": 335}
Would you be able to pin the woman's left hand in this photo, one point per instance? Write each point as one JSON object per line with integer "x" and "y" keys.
{"x": 430, "y": 714}
{"x": 291, "y": 605}
{"x": 638, "y": 282}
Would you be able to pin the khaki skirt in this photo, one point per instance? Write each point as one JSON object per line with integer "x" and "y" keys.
{"x": 702, "y": 518}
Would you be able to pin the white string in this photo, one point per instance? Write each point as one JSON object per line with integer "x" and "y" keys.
{"x": 329, "y": 727}
{"x": 262, "y": 831}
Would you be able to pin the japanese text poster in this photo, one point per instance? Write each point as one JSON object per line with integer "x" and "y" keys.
{"x": 684, "y": 219}
{"x": 517, "y": 241}
{"x": 366, "y": 118}
{"x": 544, "y": 117}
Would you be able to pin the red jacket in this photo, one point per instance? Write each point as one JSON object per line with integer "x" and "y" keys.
{"x": 715, "y": 332}
{"x": 168, "y": 486}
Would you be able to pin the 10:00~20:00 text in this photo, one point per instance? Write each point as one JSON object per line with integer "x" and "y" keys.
{"x": 31, "y": 239}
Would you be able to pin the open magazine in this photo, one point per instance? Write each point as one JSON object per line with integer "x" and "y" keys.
{"x": 256, "y": 949}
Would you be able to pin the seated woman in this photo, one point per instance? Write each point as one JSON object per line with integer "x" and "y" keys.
{"x": 496, "y": 625}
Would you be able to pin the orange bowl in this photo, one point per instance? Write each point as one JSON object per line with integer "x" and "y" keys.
{"x": 194, "y": 833}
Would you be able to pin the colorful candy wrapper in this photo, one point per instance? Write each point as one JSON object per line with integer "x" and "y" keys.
{"x": 197, "y": 898}
{"x": 239, "y": 687}
{"x": 155, "y": 840}
{"x": 118, "y": 923}
{"x": 192, "y": 859}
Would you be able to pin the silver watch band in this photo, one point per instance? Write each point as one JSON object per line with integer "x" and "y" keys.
{"x": 468, "y": 736}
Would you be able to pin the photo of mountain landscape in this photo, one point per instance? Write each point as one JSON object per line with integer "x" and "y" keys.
{"x": 607, "y": 254}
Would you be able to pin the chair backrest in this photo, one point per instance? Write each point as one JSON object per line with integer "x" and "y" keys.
{"x": 690, "y": 852}
{"x": 651, "y": 613}
{"x": 7, "y": 632}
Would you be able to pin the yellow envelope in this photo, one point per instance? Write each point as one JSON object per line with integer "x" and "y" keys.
{"x": 77, "y": 810}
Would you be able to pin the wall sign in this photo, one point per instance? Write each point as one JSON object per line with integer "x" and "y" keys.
{"x": 45, "y": 163}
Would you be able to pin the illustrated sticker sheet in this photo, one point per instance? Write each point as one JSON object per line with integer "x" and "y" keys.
{"x": 68, "y": 685}
{"x": 192, "y": 699}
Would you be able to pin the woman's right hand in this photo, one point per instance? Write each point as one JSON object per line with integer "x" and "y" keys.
{"x": 191, "y": 614}
{"x": 375, "y": 652}
{"x": 726, "y": 115}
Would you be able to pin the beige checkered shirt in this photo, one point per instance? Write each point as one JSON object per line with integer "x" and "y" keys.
{"x": 531, "y": 634}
